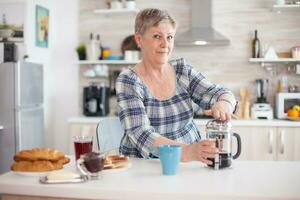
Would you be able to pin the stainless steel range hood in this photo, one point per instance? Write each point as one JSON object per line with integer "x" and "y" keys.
{"x": 201, "y": 31}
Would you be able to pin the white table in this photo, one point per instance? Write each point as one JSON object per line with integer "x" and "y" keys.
{"x": 245, "y": 180}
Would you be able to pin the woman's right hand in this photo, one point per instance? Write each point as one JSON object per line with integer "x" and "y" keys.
{"x": 200, "y": 151}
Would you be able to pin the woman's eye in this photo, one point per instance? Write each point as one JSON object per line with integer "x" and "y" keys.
{"x": 170, "y": 37}
{"x": 156, "y": 36}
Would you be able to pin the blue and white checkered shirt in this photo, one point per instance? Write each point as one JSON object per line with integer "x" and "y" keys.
{"x": 145, "y": 118}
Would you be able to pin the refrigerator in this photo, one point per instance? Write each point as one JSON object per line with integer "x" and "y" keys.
{"x": 21, "y": 109}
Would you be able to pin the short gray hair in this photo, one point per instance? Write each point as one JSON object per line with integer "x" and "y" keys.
{"x": 151, "y": 17}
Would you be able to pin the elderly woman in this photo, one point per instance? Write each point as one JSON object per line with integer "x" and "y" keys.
{"x": 155, "y": 97}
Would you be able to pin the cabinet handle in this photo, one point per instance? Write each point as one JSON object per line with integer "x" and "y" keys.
{"x": 271, "y": 138}
{"x": 281, "y": 136}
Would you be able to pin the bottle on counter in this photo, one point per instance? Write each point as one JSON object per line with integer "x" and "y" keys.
{"x": 93, "y": 52}
{"x": 99, "y": 47}
{"x": 255, "y": 46}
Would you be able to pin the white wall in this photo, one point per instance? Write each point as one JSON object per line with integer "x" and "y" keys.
{"x": 10, "y": 8}
{"x": 226, "y": 65}
{"x": 60, "y": 71}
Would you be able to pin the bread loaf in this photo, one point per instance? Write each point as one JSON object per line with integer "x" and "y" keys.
{"x": 39, "y": 154}
{"x": 35, "y": 166}
{"x": 116, "y": 162}
{"x": 117, "y": 158}
{"x": 39, "y": 160}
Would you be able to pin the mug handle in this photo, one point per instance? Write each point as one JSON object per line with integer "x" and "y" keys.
{"x": 239, "y": 145}
{"x": 79, "y": 167}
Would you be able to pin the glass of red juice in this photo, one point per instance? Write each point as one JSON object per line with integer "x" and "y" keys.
{"x": 83, "y": 144}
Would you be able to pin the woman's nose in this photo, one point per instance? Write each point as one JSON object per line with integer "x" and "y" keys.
{"x": 164, "y": 42}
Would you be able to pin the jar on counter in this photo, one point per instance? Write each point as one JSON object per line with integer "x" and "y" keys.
{"x": 295, "y": 51}
{"x": 105, "y": 53}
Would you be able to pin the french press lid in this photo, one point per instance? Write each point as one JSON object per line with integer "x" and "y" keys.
{"x": 218, "y": 125}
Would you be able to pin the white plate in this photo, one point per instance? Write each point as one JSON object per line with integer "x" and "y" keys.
{"x": 33, "y": 174}
{"x": 109, "y": 171}
{"x": 294, "y": 118}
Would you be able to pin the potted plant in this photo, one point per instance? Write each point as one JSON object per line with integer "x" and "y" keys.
{"x": 6, "y": 30}
{"x": 81, "y": 51}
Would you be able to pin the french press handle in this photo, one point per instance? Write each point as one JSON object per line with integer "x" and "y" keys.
{"x": 239, "y": 145}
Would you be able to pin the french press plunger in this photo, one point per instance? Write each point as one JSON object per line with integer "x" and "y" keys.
{"x": 221, "y": 133}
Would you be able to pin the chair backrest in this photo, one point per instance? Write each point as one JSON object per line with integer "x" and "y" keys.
{"x": 109, "y": 134}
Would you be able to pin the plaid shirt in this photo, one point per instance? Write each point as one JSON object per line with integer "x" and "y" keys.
{"x": 145, "y": 118}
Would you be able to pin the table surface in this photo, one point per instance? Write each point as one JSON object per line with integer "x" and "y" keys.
{"x": 144, "y": 180}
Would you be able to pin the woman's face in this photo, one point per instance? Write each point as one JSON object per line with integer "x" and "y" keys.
{"x": 157, "y": 42}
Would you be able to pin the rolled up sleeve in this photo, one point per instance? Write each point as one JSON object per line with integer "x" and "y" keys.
{"x": 203, "y": 92}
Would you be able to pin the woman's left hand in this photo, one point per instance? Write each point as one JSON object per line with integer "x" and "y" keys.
{"x": 221, "y": 110}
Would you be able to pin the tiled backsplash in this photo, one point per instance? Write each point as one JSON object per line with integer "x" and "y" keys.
{"x": 226, "y": 65}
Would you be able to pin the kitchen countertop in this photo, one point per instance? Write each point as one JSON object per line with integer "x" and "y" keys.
{"x": 244, "y": 180}
{"x": 202, "y": 122}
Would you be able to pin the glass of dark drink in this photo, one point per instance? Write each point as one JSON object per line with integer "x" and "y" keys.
{"x": 91, "y": 164}
{"x": 82, "y": 145}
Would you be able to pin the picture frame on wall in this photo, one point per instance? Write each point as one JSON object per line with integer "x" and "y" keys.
{"x": 41, "y": 26}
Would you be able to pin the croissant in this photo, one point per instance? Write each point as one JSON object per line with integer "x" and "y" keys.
{"x": 36, "y": 166}
{"x": 39, "y": 154}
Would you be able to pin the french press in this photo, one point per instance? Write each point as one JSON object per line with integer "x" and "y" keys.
{"x": 221, "y": 133}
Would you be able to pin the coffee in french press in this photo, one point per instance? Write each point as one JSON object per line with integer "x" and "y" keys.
{"x": 220, "y": 132}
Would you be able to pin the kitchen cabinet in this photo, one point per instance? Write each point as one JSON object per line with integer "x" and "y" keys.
{"x": 288, "y": 143}
{"x": 258, "y": 143}
{"x": 269, "y": 143}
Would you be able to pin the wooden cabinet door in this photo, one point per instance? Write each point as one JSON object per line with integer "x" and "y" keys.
{"x": 258, "y": 143}
{"x": 288, "y": 143}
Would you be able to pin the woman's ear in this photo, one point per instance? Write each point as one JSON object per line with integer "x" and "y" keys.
{"x": 138, "y": 38}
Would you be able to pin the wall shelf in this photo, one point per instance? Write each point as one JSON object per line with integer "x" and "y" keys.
{"x": 263, "y": 61}
{"x": 116, "y": 11}
{"x": 108, "y": 62}
{"x": 286, "y": 7}
{"x": 279, "y": 60}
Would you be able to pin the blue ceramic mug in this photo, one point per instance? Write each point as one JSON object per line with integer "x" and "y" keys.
{"x": 169, "y": 156}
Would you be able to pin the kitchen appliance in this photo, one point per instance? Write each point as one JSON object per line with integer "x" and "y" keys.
{"x": 96, "y": 100}
{"x": 262, "y": 109}
{"x": 21, "y": 109}
{"x": 201, "y": 30}
{"x": 285, "y": 101}
{"x": 221, "y": 133}
{"x": 11, "y": 51}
